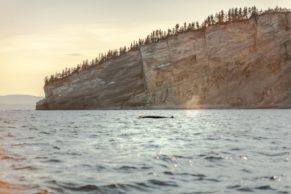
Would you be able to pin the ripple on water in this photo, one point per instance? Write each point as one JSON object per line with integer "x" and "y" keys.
{"x": 138, "y": 156}
{"x": 250, "y": 189}
{"x": 213, "y": 158}
{"x": 264, "y": 187}
{"x": 197, "y": 177}
{"x": 76, "y": 187}
{"x": 245, "y": 189}
{"x": 166, "y": 158}
{"x": 108, "y": 188}
{"x": 183, "y": 157}
{"x": 6, "y": 122}
{"x": 157, "y": 182}
{"x": 44, "y": 132}
{"x": 272, "y": 178}
{"x": 52, "y": 161}
{"x": 29, "y": 168}
{"x": 56, "y": 148}
{"x": 274, "y": 154}
{"x": 129, "y": 169}
{"x": 126, "y": 168}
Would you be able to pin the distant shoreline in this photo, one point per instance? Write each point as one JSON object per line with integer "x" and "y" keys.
{"x": 18, "y": 102}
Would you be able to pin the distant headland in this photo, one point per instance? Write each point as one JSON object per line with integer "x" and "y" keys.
{"x": 235, "y": 59}
{"x": 18, "y": 102}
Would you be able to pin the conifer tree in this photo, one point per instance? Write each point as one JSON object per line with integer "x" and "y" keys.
{"x": 232, "y": 15}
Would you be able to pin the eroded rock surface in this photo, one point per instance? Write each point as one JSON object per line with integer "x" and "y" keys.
{"x": 238, "y": 65}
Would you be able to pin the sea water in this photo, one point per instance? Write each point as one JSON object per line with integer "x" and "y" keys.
{"x": 197, "y": 151}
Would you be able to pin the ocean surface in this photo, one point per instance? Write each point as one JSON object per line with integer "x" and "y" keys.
{"x": 197, "y": 151}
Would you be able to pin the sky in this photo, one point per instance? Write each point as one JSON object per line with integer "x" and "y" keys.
{"x": 41, "y": 37}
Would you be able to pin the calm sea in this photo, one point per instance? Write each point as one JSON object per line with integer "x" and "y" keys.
{"x": 197, "y": 151}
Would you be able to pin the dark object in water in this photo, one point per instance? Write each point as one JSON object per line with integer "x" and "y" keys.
{"x": 154, "y": 117}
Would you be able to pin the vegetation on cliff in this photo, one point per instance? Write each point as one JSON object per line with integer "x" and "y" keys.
{"x": 233, "y": 15}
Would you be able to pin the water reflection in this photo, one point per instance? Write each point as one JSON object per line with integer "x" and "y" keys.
{"x": 204, "y": 151}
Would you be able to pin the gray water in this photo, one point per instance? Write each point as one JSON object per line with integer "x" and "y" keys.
{"x": 198, "y": 151}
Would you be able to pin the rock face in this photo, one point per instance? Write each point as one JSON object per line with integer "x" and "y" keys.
{"x": 237, "y": 65}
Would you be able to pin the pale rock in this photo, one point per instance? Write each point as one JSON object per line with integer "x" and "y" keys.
{"x": 238, "y": 65}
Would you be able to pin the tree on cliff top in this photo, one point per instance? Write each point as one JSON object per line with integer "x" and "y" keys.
{"x": 232, "y": 15}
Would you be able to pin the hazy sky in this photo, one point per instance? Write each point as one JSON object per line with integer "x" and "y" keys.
{"x": 41, "y": 37}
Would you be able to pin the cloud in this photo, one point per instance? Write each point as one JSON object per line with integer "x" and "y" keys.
{"x": 74, "y": 54}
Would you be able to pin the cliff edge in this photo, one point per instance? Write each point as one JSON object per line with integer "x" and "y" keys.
{"x": 244, "y": 64}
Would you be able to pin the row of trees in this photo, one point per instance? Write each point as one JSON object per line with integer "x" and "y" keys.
{"x": 232, "y": 15}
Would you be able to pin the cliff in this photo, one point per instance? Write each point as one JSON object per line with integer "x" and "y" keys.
{"x": 244, "y": 64}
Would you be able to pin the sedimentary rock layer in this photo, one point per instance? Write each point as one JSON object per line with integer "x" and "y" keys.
{"x": 244, "y": 64}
